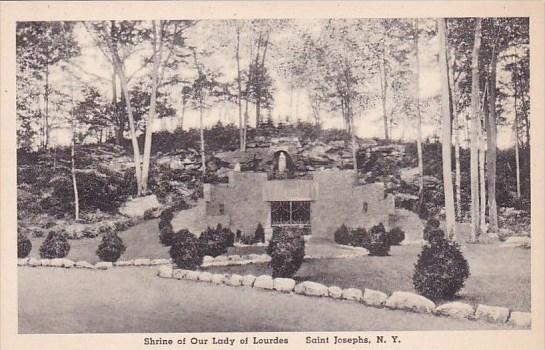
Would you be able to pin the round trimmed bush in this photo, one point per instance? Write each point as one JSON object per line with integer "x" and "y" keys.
{"x": 238, "y": 236}
{"x": 111, "y": 247}
{"x": 54, "y": 246}
{"x": 287, "y": 251}
{"x": 379, "y": 244}
{"x": 259, "y": 236}
{"x": 396, "y": 236}
{"x": 342, "y": 235}
{"x": 24, "y": 246}
{"x": 360, "y": 237}
{"x": 166, "y": 234}
{"x": 213, "y": 242}
{"x": 441, "y": 269}
{"x": 186, "y": 250}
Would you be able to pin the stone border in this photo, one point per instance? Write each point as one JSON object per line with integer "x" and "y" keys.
{"x": 101, "y": 265}
{"x": 398, "y": 300}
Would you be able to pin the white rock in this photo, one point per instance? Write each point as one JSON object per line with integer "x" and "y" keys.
{"x": 315, "y": 289}
{"x": 137, "y": 207}
{"x": 46, "y": 262}
{"x": 67, "y": 263}
{"x": 264, "y": 282}
{"x": 520, "y": 319}
{"x": 220, "y": 258}
{"x": 299, "y": 288}
{"x": 179, "y": 273}
{"x": 234, "y": 257}
{"x": 235, "y": 280}
{"x": 142, "y": 262}
{"x": 352, "y": 294}
{"x": 22, "y": 262}
{"x": 165, "y": 271}
{"x": 34, "y": 262}
{"x": 335, "y": 292}
{"x": 103, "y": 265}
{"x": 248, "y": 280}
{"x": 123, "y": 263}
{"x": 159, "y": 262}
{"x": 218, "y": 278}
{"x": 518, "y": 241}
{"x": 192, "y": 275}
{"x": 56, "y": 262}
{"x": 374, "y": 297}
{"x": 410, "y": 301}
{"x": 284, "y": 284}
{"x": 205, "y": 276}
{"x": 456, "y": 310}
{"x": 85, "y": 265}
{"x": 494, "y": 314}
{"x": 207, "y": 259}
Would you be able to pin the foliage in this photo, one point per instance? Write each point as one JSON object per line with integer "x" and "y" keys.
{"x": 259, "y": 235}
{"x": 215, "y": 242}
{"x": 287, "y": 251}
{"x": 111, "y": 247}
{"x": 342, "y": 235}
{"x": 24, "y": 246}
{"x": 396, "y": 236}
{"x": 441, "y": 269}
{"x": 379, "y": 244}
{"x": 54, "y": 246}
{"x": 166, "y": 234}
{"x": 359, "y": 237}
{"x": 431, "y": 225}
{"x": 186, "y": 250}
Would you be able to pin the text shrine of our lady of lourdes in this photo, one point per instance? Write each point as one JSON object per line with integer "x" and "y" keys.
{"x": 319, "y": 201}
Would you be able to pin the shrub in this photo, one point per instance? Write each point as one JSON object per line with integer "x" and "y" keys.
{"x": 379, "y": 244}
{"x": 441, "y": 269}
{"x": 396, "y": 236}
{"x": 238, "y": 236}
{"x": 24, "y": 246}
{"x": 342, "y": 235}
{"x": 166, "y": 216}
{"x": 436, "y": 235}
{"x": 287, "y": 251}
{"x": 111, "y": 247}
{"x": 166, "y": 235}
{"x": 186, "y": 250}
{"x": 54, "y": 246}
{"x": 360, "y": 238}
{"x": 431, "y": 225}
{"x": 247, "y": 239}
{"x": 259, "y": 234}
{"x": 213, "y": 242}
{"x": 229, "y": 236}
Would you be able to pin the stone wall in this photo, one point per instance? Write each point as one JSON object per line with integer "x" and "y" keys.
{"x": 336, "y": 200}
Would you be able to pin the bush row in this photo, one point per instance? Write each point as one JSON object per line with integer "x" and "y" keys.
{"x": 376, "y": 240}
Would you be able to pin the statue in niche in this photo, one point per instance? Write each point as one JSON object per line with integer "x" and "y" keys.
{"x": 281, "y": 163}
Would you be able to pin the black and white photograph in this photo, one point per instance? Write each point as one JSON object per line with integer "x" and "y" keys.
{"x": 274, "y": 175}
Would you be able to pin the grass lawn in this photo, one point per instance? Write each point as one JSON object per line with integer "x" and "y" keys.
{"x": 499, "y": 276}
{"x": 135, "y": 300}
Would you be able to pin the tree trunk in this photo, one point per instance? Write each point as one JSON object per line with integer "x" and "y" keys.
{"x": 491, "y": 133}
{"x": 516, "y": 127}
{"x": 419, "y": 123}
{"x": 201, "y": 126}
{"x": 182, "y": 117}
{"x": 157, "y": 57}
{"x": 482, "y": 180}
{"x": 384, "y": 92}
{"x": 46, "y": 103}
{"x": 116, "y": 114}
{"x": 239, "y": 99}
{"x": 446, "y": 138}
{"x": 132, "y": 130}
{"x": 475, "y": 127}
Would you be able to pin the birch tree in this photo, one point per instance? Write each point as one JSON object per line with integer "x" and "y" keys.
{"x": 475, "y": 127}
{"x": 446, "y": 131}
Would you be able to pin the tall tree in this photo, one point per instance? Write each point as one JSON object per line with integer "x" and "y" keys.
{"x": 446, "y": 131}
{"x": 475, "y": 127}
{"x": 418, "y": 122}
